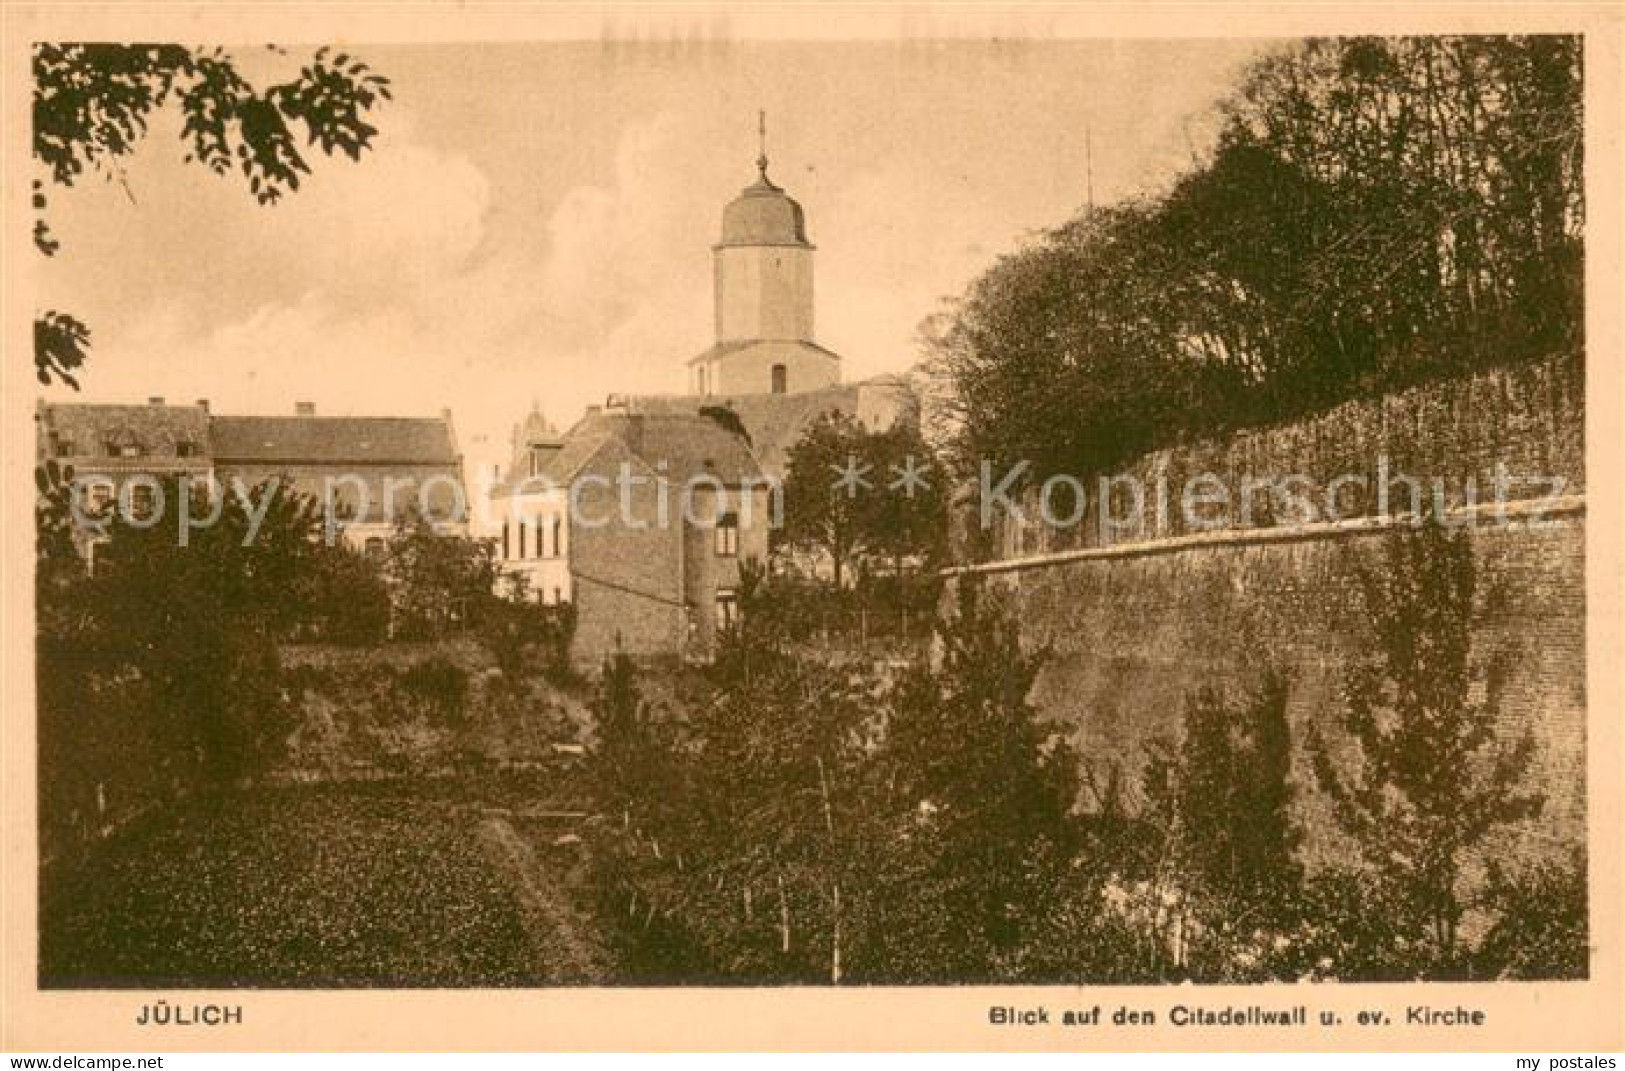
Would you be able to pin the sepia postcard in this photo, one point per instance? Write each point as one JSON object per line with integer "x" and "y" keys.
{"x": 761, "y": 527}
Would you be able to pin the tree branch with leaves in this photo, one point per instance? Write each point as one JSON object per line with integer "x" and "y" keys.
{"x": 93, "y": 104}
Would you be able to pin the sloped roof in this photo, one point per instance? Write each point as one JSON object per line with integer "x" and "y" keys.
{"x": 723, "y": 349}
{"x": 400, "y": 440}
{"x": 680, "y": 445}
{"x": 154, "y": 428}
{"x": 576, "y": 453}
{"x": 763, "y": 214}
{"x": 774, "y": 422}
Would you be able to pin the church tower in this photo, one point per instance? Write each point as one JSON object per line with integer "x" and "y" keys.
{"x": 763, "y": 278}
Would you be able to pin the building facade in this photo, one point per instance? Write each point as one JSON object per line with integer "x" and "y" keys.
{"x": 371, "y": 471}
{"x": 645, "y": 511}
{"x": 763, "y": 291}
{"x": 643, "y": 521}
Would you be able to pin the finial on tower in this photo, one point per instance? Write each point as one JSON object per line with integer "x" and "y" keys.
{"x": 761, "y": 142}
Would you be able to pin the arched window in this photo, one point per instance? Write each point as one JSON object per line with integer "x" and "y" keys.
{"x": 781, "y": 379}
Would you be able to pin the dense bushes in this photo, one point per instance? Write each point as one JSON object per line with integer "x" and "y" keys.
{"x": 1376, "y": 212}
{"x": 795, "y": 820}
{"x": 165, "y": 662}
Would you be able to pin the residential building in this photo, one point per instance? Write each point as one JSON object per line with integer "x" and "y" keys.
{"x": 372, "y": 471}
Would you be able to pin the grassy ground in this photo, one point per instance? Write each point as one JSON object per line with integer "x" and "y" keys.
{"x": 320, "y": 886}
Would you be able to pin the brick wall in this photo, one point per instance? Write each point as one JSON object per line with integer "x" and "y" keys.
{"x": 627, "y": 578}
{"x": 1136, "y": 628}
{"x": 1528, "y": 419}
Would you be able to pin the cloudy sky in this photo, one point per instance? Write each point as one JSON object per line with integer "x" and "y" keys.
{"x": 535, "y": 223}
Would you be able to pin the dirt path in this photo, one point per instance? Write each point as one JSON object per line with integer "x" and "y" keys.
{"x": 566, "y": 949}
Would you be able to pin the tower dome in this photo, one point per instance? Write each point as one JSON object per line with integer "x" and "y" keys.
{"x": 763, "y": 271}
{"x": 763, "y": 214}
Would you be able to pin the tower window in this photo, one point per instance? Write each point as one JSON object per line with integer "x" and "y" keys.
{"x": 781, "y": 379}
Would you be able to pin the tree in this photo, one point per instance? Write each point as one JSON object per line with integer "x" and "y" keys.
{"x": 1429, "y": 778}
{"x": 988, "y": 791}
{"x": 93, "y": 103}
{"x": 343, "y": 597}
{"x": 1232, "y": 798}
{"x": 193, "y": 626}
{"x": 1376, "y": 212}
{"x": 870, "y": 512}
{"x": 1062, "y": 356}
{"x": 437, "y": 580}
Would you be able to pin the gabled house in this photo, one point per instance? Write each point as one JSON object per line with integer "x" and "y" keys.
{"x": 641, "y": 520}
{"x": 372, "y": 470}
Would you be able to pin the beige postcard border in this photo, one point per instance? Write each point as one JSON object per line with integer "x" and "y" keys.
{"x": 1552, "y": 1017}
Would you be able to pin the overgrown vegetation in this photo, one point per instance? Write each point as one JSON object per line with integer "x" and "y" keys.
{"x": 1377, "y": 211}
{"x": 888, "y": 515}
{"x": 795, "y": 820}
{"x": 1431, "y": 778}
{"x": 164, "y": 661}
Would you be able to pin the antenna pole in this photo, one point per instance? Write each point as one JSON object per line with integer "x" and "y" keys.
{"x": 1089, "y": 165}
{"x": 761, "y": 142}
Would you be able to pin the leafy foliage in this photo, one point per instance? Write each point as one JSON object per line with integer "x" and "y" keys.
{"x": 296, "y": 887}
{"x": 1232, "y": 796}
{"x": 93, "y": 103}
{"x": 343, "y": 598}
{"x": 1432, "y": 780}
{"x": 877, "y": 518}
{"x": 60, "y": 342}
{"x": 197, "y": 622}
{"x": 438, "y": 581}
{"x": 1377, "y": 212}
{"x": 863, "y": 831}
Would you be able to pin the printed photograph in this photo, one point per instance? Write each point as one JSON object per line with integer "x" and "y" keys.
{"x": 662, "y": 511}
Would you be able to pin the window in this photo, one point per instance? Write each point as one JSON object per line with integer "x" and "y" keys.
{"x": 728, "y": 536}
{"x": 558, "y": 596}
{"x": 522, "y": 526}
{"x": 141, "y": 501}
{"x": 101, "y": 496}
{"x": 702, "y": 380}
{"x": 558, "y": 536}
{"x": 507, "y": 554}
{"x": 727, "y": 610}
{"x": 98, "y": 555}
{"x": 119, "y": 446}
{"x": 185, "y": 449}
{"x": 374, "y": 548}
{"x": 781, "y": 379}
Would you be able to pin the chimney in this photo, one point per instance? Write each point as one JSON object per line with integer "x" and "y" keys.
{"x": 304, "y": 408}
{"x": 203, "y": 404}
{"x": 156, "y": 399}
